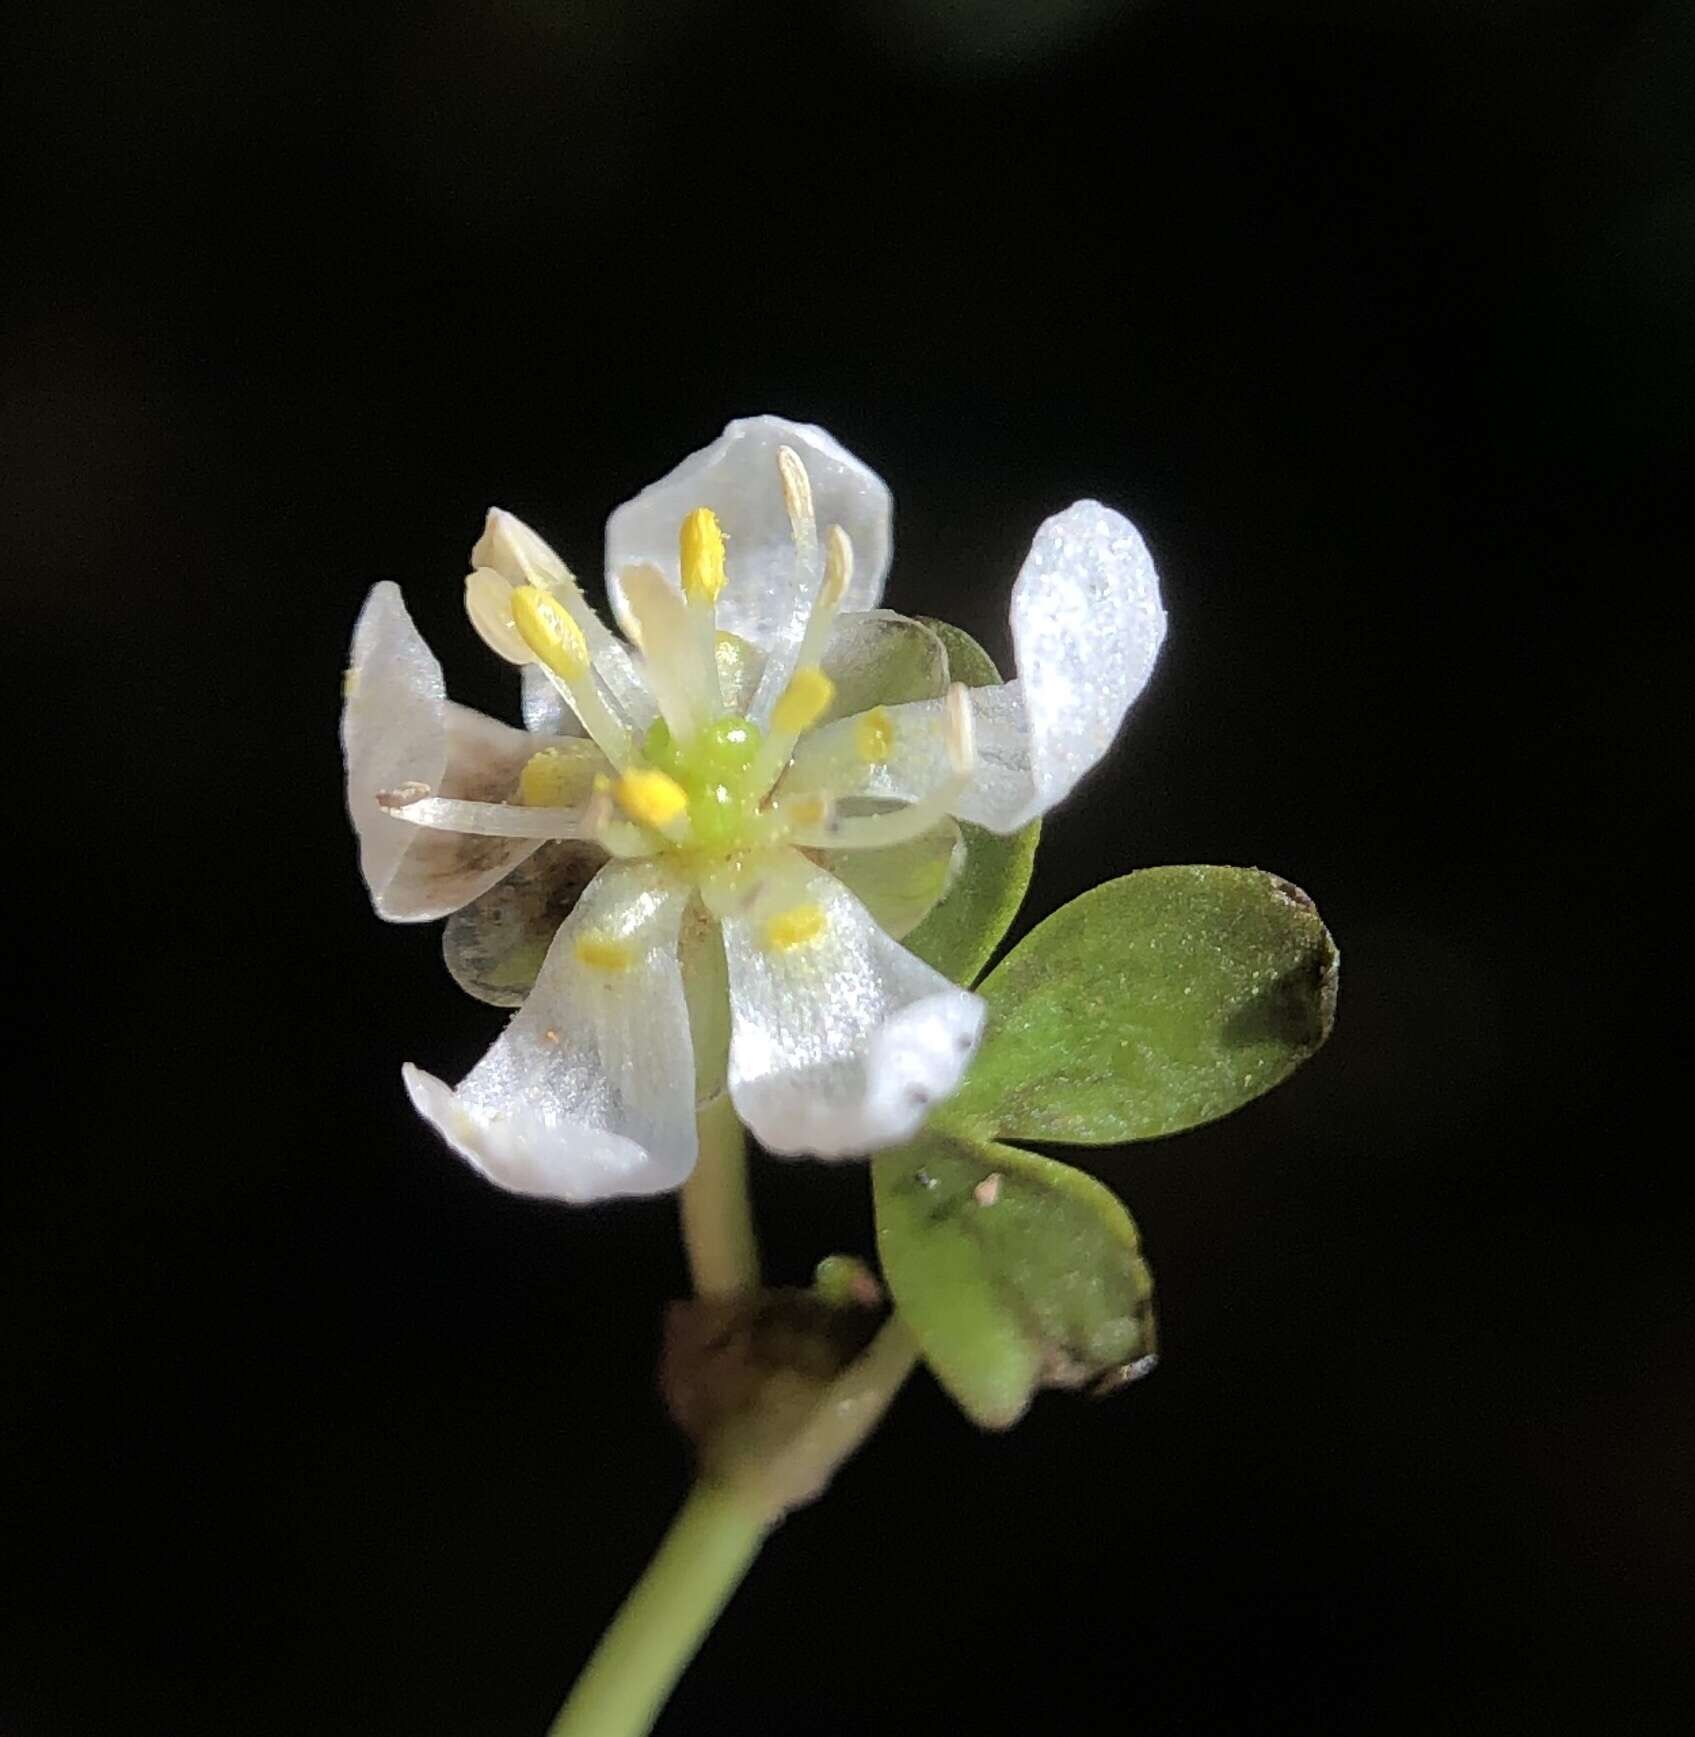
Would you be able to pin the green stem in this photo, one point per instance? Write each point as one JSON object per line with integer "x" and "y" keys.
{"x": 710, "y": 1546}
{"x": 717, "y": 1214}
{"x": 713, "y": 1542}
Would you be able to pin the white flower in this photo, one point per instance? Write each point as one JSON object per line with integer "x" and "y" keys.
{"x": 759, "y": 789}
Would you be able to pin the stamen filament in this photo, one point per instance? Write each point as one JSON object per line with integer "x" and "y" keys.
{"x": 507, "y": 545}
{"x": 784, "y": 656}
{"x": 877, "y": 831}
{"x": 678, "y": 658}
{"x": 488, "y": 819}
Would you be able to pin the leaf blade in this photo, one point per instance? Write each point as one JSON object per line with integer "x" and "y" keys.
{"x": 1015, "y": 1272}
{"x": 1152, "y": 1004}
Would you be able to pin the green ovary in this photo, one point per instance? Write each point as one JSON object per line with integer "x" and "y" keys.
{"x": 714, "y": 770}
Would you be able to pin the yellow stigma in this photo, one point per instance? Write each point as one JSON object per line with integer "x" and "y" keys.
{"x": 874, "y": 736}
{"x": 548, "y": 630}
{"x": 550, "y": 779}
{"x": 600, "y": 954}
{"x": 701, "y": 545}
{"x": 804, "y": 701}
{"x": 795, "y": 927}
{"x": 654, "y": 798}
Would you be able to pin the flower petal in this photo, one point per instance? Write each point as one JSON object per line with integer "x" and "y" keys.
{"x": 1086, "y": 628}
{"x": 1087, "y": 625}
{"x": 399, "y": 728}
{"x": 878, "y": 658}
{"x": 589, "y": 1092}
{"x": 1001, "y": 791}
{"x": 902, "y": 884}
{"x": 842, "y": 1040}
{"x": 736, "y": 476}
{"x": 519, "y": 555}
{"x": 495, "y": 945}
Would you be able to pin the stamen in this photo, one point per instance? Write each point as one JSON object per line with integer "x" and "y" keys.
{"x": 797, "y": 503}
{"x": 508, "y": 545}
{"x": 785, "y": 653}
{"x": 795, "y": 927}
{"x": 487, "y": 819}
{"x": 554, "y": 778}
{"x": 655, "y": 799}
{"x": 558, "y": 643}
{"x": 805, "y": 700}
{"x": 701, "y": 550}
{"x": 614, "y": 836}
{"x": 488, "y": 603}
{"x": 677, "y": 656}
{"x": 877, "y": 831}
{"x": 959, "y": 731}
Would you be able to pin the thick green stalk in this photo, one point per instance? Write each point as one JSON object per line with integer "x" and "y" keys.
{"x": 716, "y": 1535}
{"x": 717, "y": 1214}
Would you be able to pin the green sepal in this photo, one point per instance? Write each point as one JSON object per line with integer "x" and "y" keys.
{"x": 1149, "y": 1005}
{"x": 960, "y": 935}
{"x": 1013, "y": 1272}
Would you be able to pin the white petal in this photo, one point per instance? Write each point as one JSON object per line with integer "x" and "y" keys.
{"x": 1087, "y": 624}
{"x": 901, "y": 884}
{"x": 398, "y": 728}
{"x": 589, "y": 1092}
{"x": 1001, "y": 794}
{"x": 1086, "y": 628}
{"x": 736, "y": 476}
{"x": 839, "y": 1045}
{"x": 518, "y": 554}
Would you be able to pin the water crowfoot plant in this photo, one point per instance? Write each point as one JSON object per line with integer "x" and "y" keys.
{"x": 740, "y": 871}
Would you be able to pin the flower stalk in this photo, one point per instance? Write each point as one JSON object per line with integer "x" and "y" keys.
{"x": 713, "y": 1541}
{"x": 718, "y": 1232}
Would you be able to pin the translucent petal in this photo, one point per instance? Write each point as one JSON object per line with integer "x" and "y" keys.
{"x": 839, "y": 1044}
{"x": 1087, "y": 625}
{"x": 495, "y": 946}
{"x": 398, "y": 728}
{"x": 736, "y": 476}
{"x": 878, "y": 658}
{"x": 1001, "y": 790}
{"x": 901, "y": 885}
{"x": 589, "y": 1092}
{"x": 518, "y": 554}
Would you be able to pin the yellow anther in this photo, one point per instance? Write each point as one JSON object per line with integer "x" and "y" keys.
{"x": 551, "y": 779}
{"x": 701, "y": 546}
{"x": 805, "y": 700}
{"x": 600, "y": 954}
{"x": 654, "y": 798}
{"x": 795, "y": 927}
{"x": 548, "y": 630}
{"x": 874, "y": 736}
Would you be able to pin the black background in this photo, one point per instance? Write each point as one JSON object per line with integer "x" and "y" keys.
{"x": 1375, "y": 314}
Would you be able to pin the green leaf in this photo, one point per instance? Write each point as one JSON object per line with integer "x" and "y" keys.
{"x": 1014, "y": 1272}
{"x": 1152, "y": 1004}
{"x": 960, "y": 935}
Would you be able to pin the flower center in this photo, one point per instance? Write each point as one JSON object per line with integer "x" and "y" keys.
{"x": 715, "y": 770}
